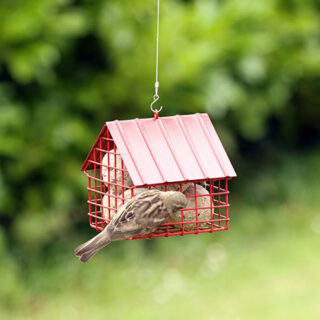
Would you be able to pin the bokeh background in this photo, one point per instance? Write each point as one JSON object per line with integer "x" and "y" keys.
{"x": 67, "y": 66}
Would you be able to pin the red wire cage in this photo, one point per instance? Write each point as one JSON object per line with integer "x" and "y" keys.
{"x": 118, "y": 168}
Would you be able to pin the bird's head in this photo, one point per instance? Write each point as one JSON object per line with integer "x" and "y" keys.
{"x": 174, "y": 200}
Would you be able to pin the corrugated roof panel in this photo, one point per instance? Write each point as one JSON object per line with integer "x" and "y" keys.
{"x": 169, "y": 149}
{"x": 181, "y": 148}
{"x": 202, "y": 146}
{"x": 134, "y": 151}
{"x": 161, "y": 151}
{"x": 218, "y": 147}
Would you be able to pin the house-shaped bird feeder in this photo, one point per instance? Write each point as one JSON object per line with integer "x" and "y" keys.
{"x": 180, "y": 153}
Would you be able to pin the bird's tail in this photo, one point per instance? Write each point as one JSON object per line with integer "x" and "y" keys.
{"x": 86, "y": 250}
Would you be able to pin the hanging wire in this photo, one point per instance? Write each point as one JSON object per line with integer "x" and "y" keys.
{"x": 156, "y": 85}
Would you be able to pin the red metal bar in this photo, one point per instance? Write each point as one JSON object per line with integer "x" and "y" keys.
{"x": 108, "y": 147}
{"x": 122, "y": 180}
{"x": 89, "y": 196}
{"x": 107, "y": 138}
{"x": 95, "y": 187}
{"x": 227, "y": 202}
{"x": 100, "y": 174}
{"x": 219, "y": 200}
{"x": 115, "y": 173}
{"x": 211, "y": 182}
{"x": 196, "y": 205}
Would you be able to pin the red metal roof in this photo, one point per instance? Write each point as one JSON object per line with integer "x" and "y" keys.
{"x": 170, "y": 149}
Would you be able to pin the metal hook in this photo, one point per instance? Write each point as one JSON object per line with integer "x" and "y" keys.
{"x": 155, "y": 99}
{"x": 156, "y": 85}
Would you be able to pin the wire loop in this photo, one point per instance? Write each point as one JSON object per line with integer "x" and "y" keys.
{"x": 155, "y": 99}
{"x": 156, "y": 85}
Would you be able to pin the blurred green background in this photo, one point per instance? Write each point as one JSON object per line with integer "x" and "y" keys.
{"x": 67, "y": 66}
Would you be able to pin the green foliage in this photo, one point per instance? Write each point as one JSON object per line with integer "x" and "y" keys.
{"x": 66, "y": 66}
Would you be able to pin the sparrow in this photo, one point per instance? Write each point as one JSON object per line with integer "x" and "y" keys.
{"x": 173, "y": 187}
{"x": 114, "y": 203}
{"x": 142, "y": 214}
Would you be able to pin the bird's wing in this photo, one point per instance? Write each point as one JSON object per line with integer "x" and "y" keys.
{"x": 140, "y": 215}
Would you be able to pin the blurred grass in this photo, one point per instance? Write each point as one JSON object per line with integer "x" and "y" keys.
{"x": 265, "y": 267}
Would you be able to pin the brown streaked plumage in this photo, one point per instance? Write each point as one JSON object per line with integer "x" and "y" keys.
{"x": 142, "y": 214}
{"x": 173, "y": 186}
{"x": 117, "y": 202}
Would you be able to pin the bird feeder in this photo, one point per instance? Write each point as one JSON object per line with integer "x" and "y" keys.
{"x": 180, "y": 153}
